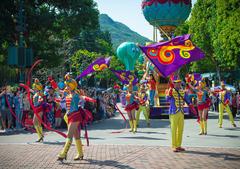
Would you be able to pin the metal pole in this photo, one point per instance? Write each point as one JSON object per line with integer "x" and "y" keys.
{"x": 21, "y": 37}
{"x": 164, "y": 33}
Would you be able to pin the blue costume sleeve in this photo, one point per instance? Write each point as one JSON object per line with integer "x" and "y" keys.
{"x": 227, "y": 96}
{"x": 168, "y": 98}
{"x": 186, "y": 98}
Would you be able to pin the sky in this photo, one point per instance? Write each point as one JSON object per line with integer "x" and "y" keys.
{"x": 128, "y": 12}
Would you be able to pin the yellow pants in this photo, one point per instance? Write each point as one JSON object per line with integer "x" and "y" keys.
{"x": 221, "y": 110}
{"x": 145, "y": 111}
{"x": 177, "y": 124}
{"x": 65, "y": 117}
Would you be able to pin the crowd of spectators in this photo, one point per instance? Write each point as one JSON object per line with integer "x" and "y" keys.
{"x": 16, "y": 112}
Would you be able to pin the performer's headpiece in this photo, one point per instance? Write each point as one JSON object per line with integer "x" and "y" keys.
{"x": 67, "y": 76}
{"x": 71, "y": 83}
{"x": 203, "y": 83}
{"x": 175, "y": 79}
{"x": 37, "y": 85}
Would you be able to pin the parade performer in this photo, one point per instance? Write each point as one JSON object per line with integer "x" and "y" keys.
{"x": 152, "y": 88}
{"x": 51, "y": 98}
{"x": 176, "y": 96}
{"x": 37, "y": 101}
{"x": 117, "y": 89}
{"x": 143, "y": 105}
{"x": 202, "y": 104}
{"x": 131, "y": 107}
{"x": 224, "y": 99}
{"x": 74, "y": 117}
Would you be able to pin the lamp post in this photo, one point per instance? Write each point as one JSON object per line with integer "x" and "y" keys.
{"x": 21, "y": 39}
{"x": 19, "y": 56}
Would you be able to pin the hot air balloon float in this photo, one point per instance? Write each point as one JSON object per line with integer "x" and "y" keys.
{"x": 164, "y": 16}
{"x": 128, "y": 53}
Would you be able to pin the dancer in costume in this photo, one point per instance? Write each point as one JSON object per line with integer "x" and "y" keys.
{"x": 208, "y": 103}
{"x": 117, "y": 88}
{"x": 74, "y": 117}
{"x": 143, "y": 105}
{"x": 123, "y": 96}
{"x": 131, "y": 107}
{"x": 176, "y": 95}
{"x": 202, "y": 105}
{"x": 37, "y": 101}
{"x": 224, "y": 99}
{"x": 51, "y": 98}
{"x": 152, "y": 88}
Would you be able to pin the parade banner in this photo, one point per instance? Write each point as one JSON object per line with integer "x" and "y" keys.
{"x": 169, "y": 56}
{"x": 126, "y": 76}
{"x": 98, "y": 65}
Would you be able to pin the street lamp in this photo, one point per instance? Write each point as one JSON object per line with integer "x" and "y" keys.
{"x": 19, "y": 56}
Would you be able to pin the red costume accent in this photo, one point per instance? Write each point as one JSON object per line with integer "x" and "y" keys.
{"x": 35, "y": 109}
{"x": 89, "y": 99}
{"x": 202, "y": 106}
{"x": 132, "y": 106}
{"x": 75, "y": 116}
{"x": 38, "y": 109}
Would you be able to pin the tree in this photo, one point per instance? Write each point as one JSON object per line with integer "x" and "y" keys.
{"x": 182, "y": 29}
{"x": 96, "y": 41}
{"x": 215, "y": 28}
{"x": 203, "y": 33}
{"x": 49, "y": 24}
{"x": 227, "y": 42}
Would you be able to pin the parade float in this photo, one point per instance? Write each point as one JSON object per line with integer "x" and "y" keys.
{"x": 164, "y": 16}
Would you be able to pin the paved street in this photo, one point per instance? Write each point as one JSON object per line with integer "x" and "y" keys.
{"x": 117, "y": 156}
{"x": 112, "y": 146}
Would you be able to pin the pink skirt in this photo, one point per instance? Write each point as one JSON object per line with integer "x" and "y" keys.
{"x": 133, "y": 106}
{"x": 203, "y": 106}
{"x": 75, "y": 117}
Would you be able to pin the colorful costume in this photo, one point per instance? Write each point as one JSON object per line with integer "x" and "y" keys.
{"x": 152, "y": 91}
{"x": 176, "y": 114}
{"x": 143, "y": 107}
{"x": 73, "y": 118}
{"x": 224, "y": 99}
{"x": 51, "y": 98}
{"x": 37, "y": 102}
{"x": 202, "y": 105}
{"x": 130, "y": 108}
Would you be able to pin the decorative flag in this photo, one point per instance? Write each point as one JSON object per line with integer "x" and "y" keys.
{"x": 125, "y": 76}
{"x": 169, "y": 56}
{"x": 98, "y": 65}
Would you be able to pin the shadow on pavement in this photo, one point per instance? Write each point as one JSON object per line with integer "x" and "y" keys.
{"x": 210, "y": 116}
{"x": 154, "y": 123}
{"x": 116, "y": 124}
{"x": 95, "y": 138}
{"x": 230, "y": 136}
{"x": 109, "y": 163}
{"x": 150, "y": 132}
{"x": 225, "y": 156}
{"x": 12, "y": 132}
{"x": 53, "y": 143}
{"x": 144, "y": 138}
{"x": 233, "y": 129}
